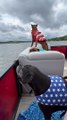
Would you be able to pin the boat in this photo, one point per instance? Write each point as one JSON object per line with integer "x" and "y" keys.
{"x": 11, "y": 89}
{"x": 10, "y": 93}
{"x": 60, "y": 46}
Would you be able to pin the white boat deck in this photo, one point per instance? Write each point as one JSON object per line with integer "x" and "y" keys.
{"x": 28, "y": 98}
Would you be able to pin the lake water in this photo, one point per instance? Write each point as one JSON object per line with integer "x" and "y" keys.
{"x": 9, "y": 53}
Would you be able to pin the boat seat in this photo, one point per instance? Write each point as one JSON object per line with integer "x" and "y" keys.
{"x": 48, "y": 62}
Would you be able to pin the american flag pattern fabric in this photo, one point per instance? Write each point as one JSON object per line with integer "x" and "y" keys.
{"x": 56, "y": 94}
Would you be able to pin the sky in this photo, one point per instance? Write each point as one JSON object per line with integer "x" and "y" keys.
{"x": 16, "y": 17}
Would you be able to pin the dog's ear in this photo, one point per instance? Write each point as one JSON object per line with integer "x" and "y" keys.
{"x": 34, "y": 25}
{"x": 31, "y": 25}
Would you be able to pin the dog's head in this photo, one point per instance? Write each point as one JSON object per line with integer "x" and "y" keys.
{"x": 27, "y": 73}
{"x": 34, "y": 27}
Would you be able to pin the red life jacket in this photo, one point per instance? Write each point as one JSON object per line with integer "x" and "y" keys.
{"x": 38, "y": 36}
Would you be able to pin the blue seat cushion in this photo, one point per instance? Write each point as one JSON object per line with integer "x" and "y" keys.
{"x": 34, "y": 113}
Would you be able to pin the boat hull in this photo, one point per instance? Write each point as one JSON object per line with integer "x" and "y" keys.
{"x": 62, "y": 49}
{"x": 10, "y": 94}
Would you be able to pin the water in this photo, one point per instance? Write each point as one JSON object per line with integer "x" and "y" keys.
{"x": 9, "y": 53}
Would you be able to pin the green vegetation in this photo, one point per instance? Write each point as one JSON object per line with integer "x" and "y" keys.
{"x": 62, "y": 38}
{"x": 59, "y": 38}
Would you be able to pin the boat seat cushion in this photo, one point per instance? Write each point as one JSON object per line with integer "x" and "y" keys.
{"x": 48, "y": 62}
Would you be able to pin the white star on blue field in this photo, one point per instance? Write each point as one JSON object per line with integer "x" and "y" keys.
{"x": 56, "y": 94}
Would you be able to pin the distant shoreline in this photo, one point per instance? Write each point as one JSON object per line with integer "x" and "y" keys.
{"x": 61, "y": 38}
{"x": 14, "y": 42}
{"x": 25, "y": 41}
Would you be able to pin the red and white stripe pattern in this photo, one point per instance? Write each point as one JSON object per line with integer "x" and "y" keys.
{"x": 39, "y": 36}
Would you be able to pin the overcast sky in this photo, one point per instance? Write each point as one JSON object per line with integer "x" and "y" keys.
{"x": 16, "y": 17}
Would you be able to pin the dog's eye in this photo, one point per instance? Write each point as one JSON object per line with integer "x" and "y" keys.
{"x": 28, "y": 75}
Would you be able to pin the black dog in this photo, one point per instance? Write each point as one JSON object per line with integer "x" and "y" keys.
{"x": 50, "y": 91}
